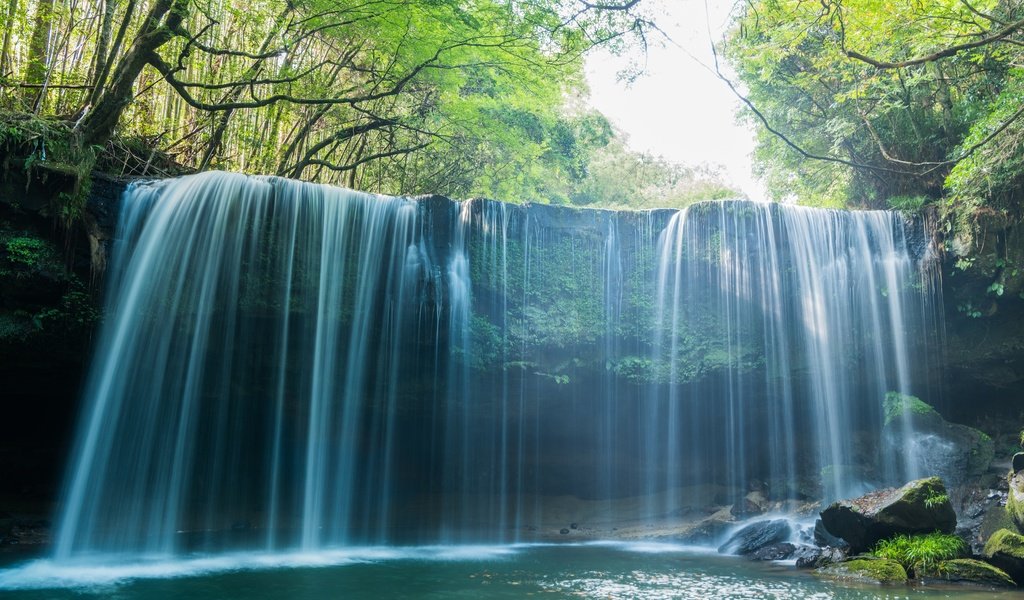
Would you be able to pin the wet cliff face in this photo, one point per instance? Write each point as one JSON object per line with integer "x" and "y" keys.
{"x": 983, "y": 286}
{"x": 49, "y": 311}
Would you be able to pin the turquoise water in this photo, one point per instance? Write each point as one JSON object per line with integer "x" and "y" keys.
{"x": 648, "y": 571}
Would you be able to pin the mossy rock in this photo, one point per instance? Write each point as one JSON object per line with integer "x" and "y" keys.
{"x": 898, "y": 405}
{"x": 1015, "y": 500}
{"x": 866, "y": 569}
{"x": 970, "y": 570}
{"x": 1005, "y": 550}
{"x": 955, "y": 452}
{"x": 921, "y": 506}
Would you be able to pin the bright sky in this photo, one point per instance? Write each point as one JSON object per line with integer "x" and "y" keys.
{"x": 679, "y": 108}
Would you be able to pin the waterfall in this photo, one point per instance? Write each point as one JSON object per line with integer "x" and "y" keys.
{"x": 293, "y": 366}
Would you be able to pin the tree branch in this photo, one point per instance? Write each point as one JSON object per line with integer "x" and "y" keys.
{"x": 944, "y": 53}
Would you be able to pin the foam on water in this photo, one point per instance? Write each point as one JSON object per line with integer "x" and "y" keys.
{"x": 103, "y": 571}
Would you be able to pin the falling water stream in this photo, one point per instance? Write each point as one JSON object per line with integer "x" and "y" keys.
{"x": 294, "y": 367}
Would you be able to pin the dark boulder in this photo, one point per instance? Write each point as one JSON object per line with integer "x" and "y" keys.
{"x": 815, "y": 558}
{"x": 823, "y": 538}
{"x": 921, "y": 506}
{"x": 1018, "y": 462}
{"x": 780, "y": 551}
{"x": 756, "y": 536}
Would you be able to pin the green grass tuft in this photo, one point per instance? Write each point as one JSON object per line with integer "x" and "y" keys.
{"x": 921, "y": 552}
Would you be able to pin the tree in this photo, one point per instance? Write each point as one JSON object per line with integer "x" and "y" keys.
{"x": 860, "y": 101}
{"x": 386, "y": 95}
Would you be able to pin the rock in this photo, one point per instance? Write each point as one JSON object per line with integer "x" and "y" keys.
{"x": 823, "y": 538}
{"x": 815, "y": 558}
{"x": 563, "y": 531}
{"x": 972, "y": 571}
{"x": 707, "y": 531}
{"x": 1005, "y": 550}
{"x": 921, "y": 506}
{"x": 956, "y": 453}
{"x": 1015, "y": 499}
{"x": 755, "y": 536}
{"x": 866, "y": 569}
{"x": 980, "y": 516}
{"x": 751, "y": 505}
{"x": 574, "y": 526}
{"x": 1017, "y": 464}
{"x": 780, "y": 551}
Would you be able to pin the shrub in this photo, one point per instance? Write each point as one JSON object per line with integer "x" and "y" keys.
{"x": 921, "y": 552}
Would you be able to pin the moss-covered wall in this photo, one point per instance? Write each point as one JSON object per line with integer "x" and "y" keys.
{"x": 983, "y": 303}
{"x": 49, "y": 310}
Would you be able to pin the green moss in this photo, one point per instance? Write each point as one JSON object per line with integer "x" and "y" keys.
{"x": 973, "y": 571}
{"x": 921, "y": 553}
{"x": 1006, "y": 542}
{"x": 897, "y": 404}
{"x": 867, "y": 569}
{"x": 929, "y": 491}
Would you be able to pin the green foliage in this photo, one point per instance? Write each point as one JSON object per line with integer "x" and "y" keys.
{"x": 43, "y": 300}
{"x": 28, "y": 251}
{"x": 469, "y": 98}
{"x": 896, "y": 405}
{"x": 969, "y": 309}
{"x": 909, "y": 134}
{"x": 910, "y": 204}
{"x": 619, "y": 178}
{"x": 936, "y": 500}
{"x": 49, "y": 149}
{"x": 918, "y": 553}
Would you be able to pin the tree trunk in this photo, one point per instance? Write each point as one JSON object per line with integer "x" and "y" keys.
{"x": 103, "y": 40}
{"x": 107, "y": 57}
{"x": 161, "y": 24}
{"x": 5, "y": 52}
{"x": 38, "y": 46}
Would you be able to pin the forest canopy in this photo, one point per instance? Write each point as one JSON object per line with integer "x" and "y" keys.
{"x": 884, "y": 104}
{"x": 394, "y": 96}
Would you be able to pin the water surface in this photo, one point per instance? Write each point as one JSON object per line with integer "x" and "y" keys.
{"x": 649, "y": 571}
